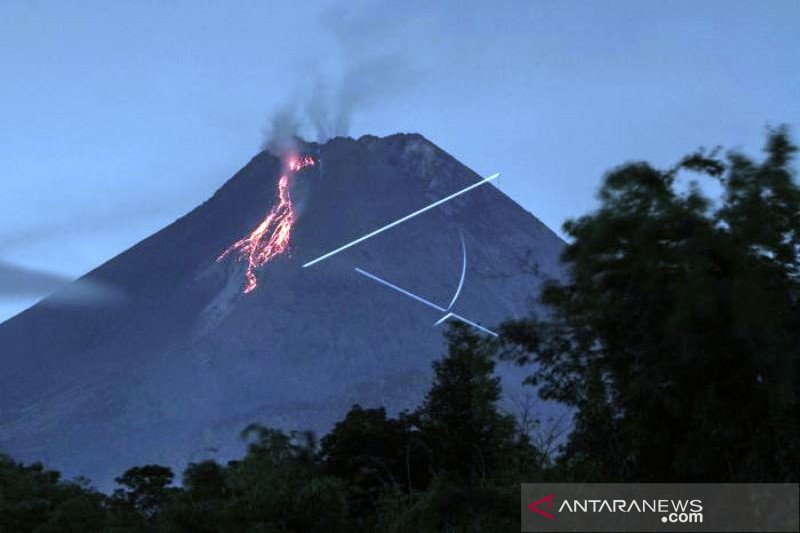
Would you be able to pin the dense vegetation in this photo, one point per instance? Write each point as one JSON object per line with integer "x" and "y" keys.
{"x": 452, "y": 464}
{"x": 675, "y": 340}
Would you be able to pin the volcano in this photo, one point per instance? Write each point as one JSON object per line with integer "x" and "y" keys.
{"x": 219, "y": 324}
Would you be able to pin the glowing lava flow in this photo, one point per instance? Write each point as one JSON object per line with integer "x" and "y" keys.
{"x": 271, "y": 237}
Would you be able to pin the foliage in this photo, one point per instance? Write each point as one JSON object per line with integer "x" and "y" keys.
{"x": 371, "y": 453}
{"x": 452, "y": 465}
{"x": 33, "y": 499}
{"x": 677, "y": 337}
{"x": 146, "y": 489}
{"x": 471, "y": 441}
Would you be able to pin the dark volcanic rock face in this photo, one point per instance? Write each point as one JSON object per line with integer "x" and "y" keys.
{"x": 176, "y": 369}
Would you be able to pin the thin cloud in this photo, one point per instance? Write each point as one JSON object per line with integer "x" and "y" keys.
{"x": 19, "y": 281}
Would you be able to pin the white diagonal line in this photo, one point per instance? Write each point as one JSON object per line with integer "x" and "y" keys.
{"x": 401, "y": 290}
{"x": 401, "y": 220}
{"x": 424, "y": 301}
{"x": 473, "y": 324}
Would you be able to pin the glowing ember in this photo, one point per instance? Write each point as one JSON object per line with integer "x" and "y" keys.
{"x": 271, "y": 237}
{"x": 299, "y": 163}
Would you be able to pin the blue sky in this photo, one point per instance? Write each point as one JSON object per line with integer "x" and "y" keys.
{"x": 118, "y": 117}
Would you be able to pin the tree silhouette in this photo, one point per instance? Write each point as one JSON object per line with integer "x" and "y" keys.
{"x": 677, "y": 337}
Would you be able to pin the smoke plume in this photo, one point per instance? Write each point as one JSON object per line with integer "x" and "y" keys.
{"x": 364, "y": 77}
{"x": 18, "y": 281}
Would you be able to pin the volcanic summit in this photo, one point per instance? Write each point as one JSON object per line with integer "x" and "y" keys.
{"x": 220, "y": 325}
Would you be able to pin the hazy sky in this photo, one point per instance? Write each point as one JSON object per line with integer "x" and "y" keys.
{"x": 118, "y": 117}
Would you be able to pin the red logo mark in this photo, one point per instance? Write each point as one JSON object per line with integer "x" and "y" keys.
{"x": 535, "y": 506}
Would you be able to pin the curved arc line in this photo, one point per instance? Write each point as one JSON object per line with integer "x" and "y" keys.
{"x": 463, "y": 272}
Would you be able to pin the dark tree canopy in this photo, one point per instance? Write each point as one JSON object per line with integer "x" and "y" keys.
{"x": 677, "y": 337}
{"x": 470, "y": 438}
{"x": 146, "y": 488}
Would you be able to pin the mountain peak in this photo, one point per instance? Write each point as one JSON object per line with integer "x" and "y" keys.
{"x": 189, "y": 356}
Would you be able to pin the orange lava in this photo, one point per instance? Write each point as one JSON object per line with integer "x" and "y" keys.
{"x": 270, "y": 238}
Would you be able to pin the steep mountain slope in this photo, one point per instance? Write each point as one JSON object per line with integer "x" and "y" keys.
{"x": 174, "y": 370}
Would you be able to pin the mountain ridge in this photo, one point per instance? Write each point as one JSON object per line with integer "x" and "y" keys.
{"x": 185, "y": 360}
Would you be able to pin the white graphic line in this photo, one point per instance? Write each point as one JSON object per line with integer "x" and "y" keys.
{"x": 463, "y": 271}
{"x": 401, "y": 220}
{"x": 400, "y": 290}
{"x": 424, "y": 301}
{"x": 445, "y": 317}
{"x": 473, "y": 324}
